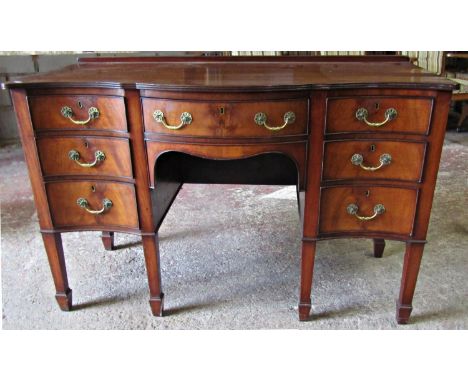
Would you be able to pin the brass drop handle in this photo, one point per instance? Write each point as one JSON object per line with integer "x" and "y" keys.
{"x": 261, "y": 119}
{"x": 74, "y": 155}
{"x": 83, "y": 203}
{"x": 185, "y": 119}
{"x": 357, "y": 160}
{"x": 352, "y": 209}
{"x": 67, "y": 112}
{"x": 362, "y": 114}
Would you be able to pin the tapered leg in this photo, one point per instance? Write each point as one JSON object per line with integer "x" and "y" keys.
{"x": 151, "y": 249}
{"x": 108, "y": 240}
{"x": 54, "y": 249}
{"x": 379, "y": 246}
{"x": 307, "y": 271}
{"x": 412, "y": 261}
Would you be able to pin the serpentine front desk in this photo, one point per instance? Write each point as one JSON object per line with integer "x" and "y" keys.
{"x": 109, "y": 142}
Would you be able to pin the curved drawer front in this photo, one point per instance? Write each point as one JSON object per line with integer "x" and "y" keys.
{"x": 226, "y": 119}
{"x": 85, "y": 156}
{"x": 67, "y": 211}
{"x": 342, "y": 207}
{"x": 205, "y": 120}
{"x": 390, "y": 114}
{"x": 78, "y": 112}
{"x": 266, "y": 119}
{"x": 359, "y": 159}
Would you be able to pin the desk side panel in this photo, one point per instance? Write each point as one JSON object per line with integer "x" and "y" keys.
{"x": 28, "y": 140}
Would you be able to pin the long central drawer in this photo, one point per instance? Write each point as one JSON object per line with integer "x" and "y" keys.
{"x": 243, "y": 119}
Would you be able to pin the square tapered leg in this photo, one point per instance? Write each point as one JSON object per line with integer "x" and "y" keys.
{"x": 411, "y": 264}
{"x": 307, "y": 271}
{"x": 151, "y": 249}
{"x": 54, "y": 250}
{"x": 108, "y": 240}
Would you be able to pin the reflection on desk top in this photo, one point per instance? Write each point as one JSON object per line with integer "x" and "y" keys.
{"x": 239, "y": 74}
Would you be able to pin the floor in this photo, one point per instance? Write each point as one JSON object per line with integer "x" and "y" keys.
{"x": 230, "y": 259}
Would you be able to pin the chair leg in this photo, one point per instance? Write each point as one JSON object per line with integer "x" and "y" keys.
{"x": 379, "y": 246}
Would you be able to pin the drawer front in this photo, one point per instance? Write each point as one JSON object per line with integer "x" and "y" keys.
{"x": 49, "y": 112}
{"x": 366, "y": 159}
{"x": 357, "y": 114}
{"x": 266, "y": 119}
{"x": 204, "y": 120}
{"x": 85, "y": 156}
{"x": 341, "y": 207}
{"x": 221, "y": 119}
{"x": 66, "y": 212}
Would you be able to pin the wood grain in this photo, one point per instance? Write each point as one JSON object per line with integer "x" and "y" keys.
{"x": 406, "y": 164}
{"x": 46, "y": 112}
{"x": 323, "y": 92}
{"x": 226, "y": 119}
{"x": 295, "y": 151}
{"x": 398, "y": 218}
{"x": 66, "y": 212}
{"x": 53, "y": 154}
{"x": 414, "y": 114}
{"x": 267, "y": 74}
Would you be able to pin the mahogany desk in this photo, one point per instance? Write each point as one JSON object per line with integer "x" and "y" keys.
{"x": 109, "y": 142}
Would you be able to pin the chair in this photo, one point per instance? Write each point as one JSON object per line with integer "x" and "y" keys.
{"x": 453, "y": 65}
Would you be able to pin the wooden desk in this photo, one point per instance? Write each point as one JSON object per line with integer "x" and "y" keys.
{"x": 109, "y": 142}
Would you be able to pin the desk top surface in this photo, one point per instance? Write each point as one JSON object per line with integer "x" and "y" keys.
{"x": 239, "y": 74}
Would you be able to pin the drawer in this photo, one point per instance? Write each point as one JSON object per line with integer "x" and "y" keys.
{"x": 341, "y": 207}
{"x": 226, "y": 119}
{"x": 367, "y": 159}
{"x": 85, "y": 156}
{"x": 68, "y": 212}
{"x": 78, "y": 112}
{"x": 388, "y": 114}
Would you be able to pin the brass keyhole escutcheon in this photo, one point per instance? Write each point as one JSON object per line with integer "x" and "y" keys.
{"x": 367, "y": 193}
{"x": 80, "y": 105}
{"x": 221, "y": 110}
{"x": 93, "y": 188}
{"x": 86, "y": 144}
{"x": 377, "y": 106}
{"x": 372, "y": 148}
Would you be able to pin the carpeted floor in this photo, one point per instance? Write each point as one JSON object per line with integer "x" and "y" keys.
{"x": 230, "y": 260}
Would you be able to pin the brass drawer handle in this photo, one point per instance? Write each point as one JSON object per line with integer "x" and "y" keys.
{"x": 185, "y": 119}
{"x": 362, "y": 114}
{"x": 352, "y": 209}
{"x": 261, "y": 119}
{"x": 357, "y": 160}
{"x": 83, "y": 203}
{"x": 67, "y": 112}
{"x": 99, "y": 156}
